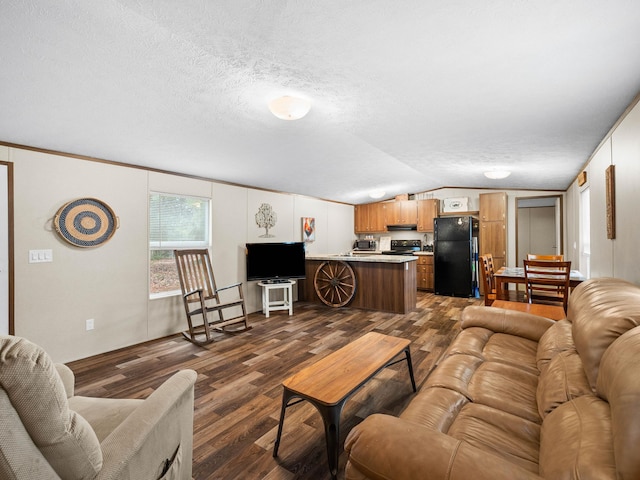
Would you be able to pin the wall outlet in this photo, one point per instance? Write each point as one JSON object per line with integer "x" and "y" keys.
{"x": 90, "y": 324}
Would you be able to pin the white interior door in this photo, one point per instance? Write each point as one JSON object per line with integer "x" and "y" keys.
{"x": 543, "y": 231}
{"x": 539, "y": 225}
{"x": 4, "y": 249}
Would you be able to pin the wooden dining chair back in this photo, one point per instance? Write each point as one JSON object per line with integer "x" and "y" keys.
{"x": 547, "y": 281}
{"x": 489, "y": 284}
{"x": 201, "y": 297}
{"x": 548, "y": 258}
{"x": 486, "y": 277}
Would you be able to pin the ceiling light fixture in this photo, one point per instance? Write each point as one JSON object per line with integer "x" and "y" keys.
{"x": 290, "y": 108}
{"x": 377, "y": 194}
{"x": 497, "y": 174}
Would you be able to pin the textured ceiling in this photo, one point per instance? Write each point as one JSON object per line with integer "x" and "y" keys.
{"x": 406, "y": 96}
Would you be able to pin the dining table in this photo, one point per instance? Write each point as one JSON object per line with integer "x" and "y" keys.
{"x": 506, "y": 275}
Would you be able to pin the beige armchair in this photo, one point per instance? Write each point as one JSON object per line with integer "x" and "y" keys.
{"x": 49, "y": 433}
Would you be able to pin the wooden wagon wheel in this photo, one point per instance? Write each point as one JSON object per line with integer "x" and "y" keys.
{"x": 335, "y": 283}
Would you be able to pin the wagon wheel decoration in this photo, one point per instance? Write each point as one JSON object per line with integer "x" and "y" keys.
{"x": 335, "y": 283}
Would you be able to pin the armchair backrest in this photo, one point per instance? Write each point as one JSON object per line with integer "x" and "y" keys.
{"x": 33, "y": 390}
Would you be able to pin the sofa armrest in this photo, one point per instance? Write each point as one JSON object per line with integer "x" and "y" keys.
{"x": 68, "y": 378}
{"x": 158, "y": 435}
{"x": 383, "y": 447}
{"x": 501, "y": 320}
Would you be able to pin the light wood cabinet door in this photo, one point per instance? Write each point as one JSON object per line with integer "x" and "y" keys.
{"x": 493, "y": 227}
{"x": 424, "y": 275}
{"x": 361, "y": 218}
{"x": 401, "y": 212}
{"x": 493, "y": 240}
{"x": 427, "y": 211}
{"x": 493, "y": 207}
{"x": 369, "y": 218}
{"x": 376, "y": 217}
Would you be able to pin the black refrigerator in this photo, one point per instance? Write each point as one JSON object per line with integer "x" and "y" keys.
{"x": 455, "y": 256}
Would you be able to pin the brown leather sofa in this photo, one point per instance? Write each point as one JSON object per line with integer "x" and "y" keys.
{"x": 518, "y": 396}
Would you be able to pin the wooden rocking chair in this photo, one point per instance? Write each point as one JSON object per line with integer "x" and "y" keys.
{"x": 201, "y": 297}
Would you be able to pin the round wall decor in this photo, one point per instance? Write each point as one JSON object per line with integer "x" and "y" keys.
{"x": 85, "y": 222}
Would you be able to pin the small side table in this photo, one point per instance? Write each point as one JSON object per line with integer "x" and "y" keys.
{"x": 286, "y": 303}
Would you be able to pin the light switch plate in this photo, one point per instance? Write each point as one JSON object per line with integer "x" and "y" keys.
{"x": 40, "y": 256}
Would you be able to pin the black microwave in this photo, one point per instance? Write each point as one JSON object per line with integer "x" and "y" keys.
{"x": 364, "y": 245}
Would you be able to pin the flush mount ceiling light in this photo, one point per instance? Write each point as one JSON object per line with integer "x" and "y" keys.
{"x": 376, "y": 194}
{"x": 497, "y": 174}
{"x": 290, "y": 108}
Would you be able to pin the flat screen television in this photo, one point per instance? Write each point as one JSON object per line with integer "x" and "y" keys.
{"x": 275, "y": 261}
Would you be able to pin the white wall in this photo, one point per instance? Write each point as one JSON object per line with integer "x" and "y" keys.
{"x": 619, "y": 257}
{"x": 110, "y": 283}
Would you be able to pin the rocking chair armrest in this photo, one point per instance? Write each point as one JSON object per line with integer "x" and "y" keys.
{"x": 229, "y": 286}
{"x": 195, "y": 290}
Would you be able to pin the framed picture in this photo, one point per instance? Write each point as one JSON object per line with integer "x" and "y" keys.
{"x": 308, "y": 229}
{"x": 611, "y": 202}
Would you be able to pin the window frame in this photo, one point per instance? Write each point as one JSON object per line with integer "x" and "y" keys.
{"x": 175, "y": 244}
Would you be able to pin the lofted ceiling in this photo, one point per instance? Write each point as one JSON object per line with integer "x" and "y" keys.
{"x": 406, "y": 96}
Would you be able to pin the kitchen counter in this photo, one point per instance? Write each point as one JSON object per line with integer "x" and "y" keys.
{"x": 385, "y": 283}
{"x": 379, "y": 258}
{"x": 423, "y": 253}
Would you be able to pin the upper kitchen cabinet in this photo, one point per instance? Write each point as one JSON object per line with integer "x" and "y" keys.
{"x": 493, "y": 207}
{"x": 493, "y": 227}
{"x": 427, "y": 211}
{"x": 369, "y": 218}
{"x": 401, "y": 212}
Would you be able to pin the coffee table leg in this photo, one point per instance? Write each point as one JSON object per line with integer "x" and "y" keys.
{"x": 331, "y": 418}
{"x": 410, "y": 365}
{"x": 286, "y": 396}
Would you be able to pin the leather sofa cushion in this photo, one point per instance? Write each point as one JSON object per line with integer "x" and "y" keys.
{"x": 619, "y": 384}
{"x": 490, "y": 346}
{"x": 576, "y": 441}
{"x": 435, "y": 408}
{"x": 508, "y": 436}
{"x": 562, "y": 380}
{"x": 37, "y": 393}
{"x": 555, "y": 340}
{"x": 602, "y": 310}
{"x": 493, "y": 384}
{"x": 491, "y": 430}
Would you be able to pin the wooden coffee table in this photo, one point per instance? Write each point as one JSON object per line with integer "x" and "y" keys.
{"x": 328, "y": 383}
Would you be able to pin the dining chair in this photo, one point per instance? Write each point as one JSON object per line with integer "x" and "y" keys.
{"x": 549, "y": 258}
{"x": 547, "y": 281}
{"x": 489, "y": 285}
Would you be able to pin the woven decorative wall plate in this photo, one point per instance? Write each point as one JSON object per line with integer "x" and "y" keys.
{"x": 85, "y": 222}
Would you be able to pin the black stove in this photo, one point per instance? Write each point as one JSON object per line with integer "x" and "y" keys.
{"x": 404, "y": 247}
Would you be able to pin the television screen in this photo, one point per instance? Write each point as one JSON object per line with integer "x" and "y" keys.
{"x": 275, "y": 261}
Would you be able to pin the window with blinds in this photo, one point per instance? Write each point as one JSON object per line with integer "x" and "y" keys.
{"x": 175, "y": 222}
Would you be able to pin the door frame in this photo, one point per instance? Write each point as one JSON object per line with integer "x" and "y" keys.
{"x": 559, "y": 219}
{"x": 10, "y": 248}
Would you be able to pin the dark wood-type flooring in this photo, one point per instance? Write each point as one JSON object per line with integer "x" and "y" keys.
{"x": 238, "y": 391}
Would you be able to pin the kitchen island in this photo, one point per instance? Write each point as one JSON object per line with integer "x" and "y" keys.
{"x": 385, "y": 283}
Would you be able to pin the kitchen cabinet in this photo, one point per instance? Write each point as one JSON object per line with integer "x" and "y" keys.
{"x": 401, "y": 212}
{"x": 425, "y": 272}
{"x": 427, "y": 211}
{"x": 493, "y": 227}
{"x": 369, "y": 218}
